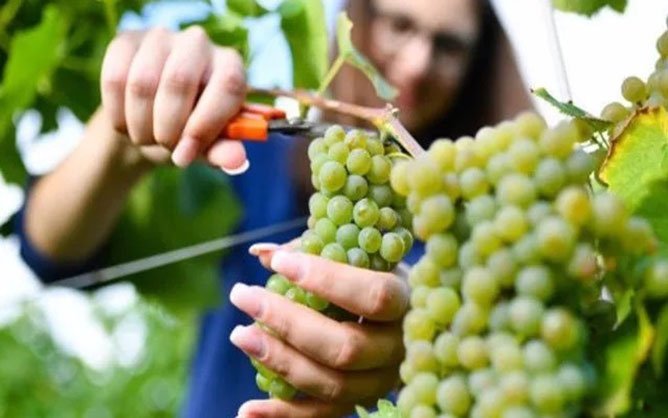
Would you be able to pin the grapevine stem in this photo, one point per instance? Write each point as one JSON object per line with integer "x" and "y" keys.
{"x": 557, "y": 53}
{"x": 110, "y": 15}
{"x": 383, "y": 117}
{"x": 333, "y": 70}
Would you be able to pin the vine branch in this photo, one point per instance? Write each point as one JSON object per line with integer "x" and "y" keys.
{"x": 382, "y": 117}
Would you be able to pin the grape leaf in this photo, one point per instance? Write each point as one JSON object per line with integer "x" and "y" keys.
{"x": 386, "y": 409}
{"x": 353, "y": 57}
{"x": 226, "y": 30}
{"x": 303, "y": 24}
{"x": 661, "y": 342}
{"x": 636, "y": 167}
{"x": 589, "y": 7}
{"x": 33, "y": 56}
{"x": 620, "y": 358}
{"x": 249, "y": 8}
{"x": 569, "y": 109}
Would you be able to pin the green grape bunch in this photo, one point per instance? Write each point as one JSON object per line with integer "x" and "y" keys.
{"x": 516, "y": 249}
{"x": 355, "y": 218}
{"x": 652, "y": 92}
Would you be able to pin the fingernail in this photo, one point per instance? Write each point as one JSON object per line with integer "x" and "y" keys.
{"x": 239, "y": 170}
{"x": 284, "y": 262}
{"x": 261, "y": 247}
{"x": 187, "y": 149}
{"x": 247, "y": 299}
{"x": 247, "y": 340}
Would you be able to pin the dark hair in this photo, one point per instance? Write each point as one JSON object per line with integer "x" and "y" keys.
{"x": 472, "y": 107}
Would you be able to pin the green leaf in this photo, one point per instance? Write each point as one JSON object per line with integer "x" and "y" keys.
{"x": 202, "y": 200}
{"x": 569, "y": 109}
{"x": 303, "y": 24}
{"x": 589, "y": 7}
{"x": 387, "y": 409}
{"x": 33, "y": 56}
{"x": 353, "y": 57}
{"x": 636, "y": 168}
{"x": 660, "y": 342}
{"x": 620, "y": 358}
{"x": 249, "y": 8}
{"x": 361, "y": 412}
{"x": 226, "y": 30}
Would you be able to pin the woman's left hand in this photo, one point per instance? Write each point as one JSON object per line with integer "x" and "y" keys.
{"x": 337, "y": 365}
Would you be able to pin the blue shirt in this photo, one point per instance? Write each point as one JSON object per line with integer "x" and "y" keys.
{"x": 222, "y": 377}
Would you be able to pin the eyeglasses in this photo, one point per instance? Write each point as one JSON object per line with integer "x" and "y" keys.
{"x": 398, "y": 29}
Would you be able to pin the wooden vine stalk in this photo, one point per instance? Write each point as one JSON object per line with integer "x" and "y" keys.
{"x": 384, "y": 118}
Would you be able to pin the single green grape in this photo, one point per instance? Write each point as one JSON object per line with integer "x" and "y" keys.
{"x": 358, "y": 162}
{"x": 358, "y": 257}
{"x": 538, "y": 357}
{"x": 535, "y": 281}
{"x": 311, "y": 242}
{"x": 315, "y": 302}
{"x": 472, "y": 353}
{"x": 316, "y": 147}
{"x": 453, "y": 396}
{"x": 388, "y": 219}
{"x": 370, "y": 239}
{"x": 381, "y": 194}
{"x": 335, "y": 252}
{"x": 332, "y": 176}
{"x": 524, "y": 155}
{"x": 392, "y": 247}
{"x": 355, "y": 138}
{"x": 347, "y": 235}
{"x": 278, "y": 388}
{"x": 366, "y": 213}
{"x": 634, "y": 89}
{"x": 525, "y": 315}
{"x": 277, "y": 283}
{"x": 442, "y": 248}
{"x": 338, "y": 152}
{"x": 379, "y": 173}
{"x": 340, "y": 210}
{"x": 614, "y": 112}
{"x": 334, "y": 134}
{"x": 550, "y": 177}
{"x": 326, "y": 230}
{"x": 516, "y": 189}
{"x": 317, "y": 204}
{"x": 356, "y": 188}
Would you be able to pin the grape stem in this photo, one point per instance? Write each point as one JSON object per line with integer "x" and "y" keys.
{"x": 384, "y": 118}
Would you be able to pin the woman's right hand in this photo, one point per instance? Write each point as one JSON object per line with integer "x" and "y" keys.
{"x": 172, "y": 94}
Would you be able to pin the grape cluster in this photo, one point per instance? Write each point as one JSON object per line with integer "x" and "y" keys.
{"x": 498, "y": 321}
{"x": 355, "y": 218}
{"x": 652, "y": 92}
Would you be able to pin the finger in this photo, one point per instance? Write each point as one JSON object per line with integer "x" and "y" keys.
{"x": 265, "y": 250}
{"x": 230, "y": 156}
{"x": 337, "y": 345}
{"x": 220, "y": 100}
{"x": 114, "y": 77}
{"x": 374, "y": 295}
{"x": 143, "y": 80}
{"x": 307, "y": 375}
{"x": 307, "y": 408}
{"x": 179, "y": 84}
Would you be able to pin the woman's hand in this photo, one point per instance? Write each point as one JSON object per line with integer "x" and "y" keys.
{"x": 174, "y": 93}
{"x": 336, "y": 364}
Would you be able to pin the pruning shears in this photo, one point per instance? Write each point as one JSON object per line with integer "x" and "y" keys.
{"x": 256, "y": 121}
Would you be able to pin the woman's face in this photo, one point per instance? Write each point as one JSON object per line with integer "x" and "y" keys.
{"x": 423, "y": 48}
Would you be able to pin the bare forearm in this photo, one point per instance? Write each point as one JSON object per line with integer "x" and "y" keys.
{"x": 72, "y": 211}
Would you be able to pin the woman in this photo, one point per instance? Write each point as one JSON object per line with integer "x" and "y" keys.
{"x": 166, "y": 95}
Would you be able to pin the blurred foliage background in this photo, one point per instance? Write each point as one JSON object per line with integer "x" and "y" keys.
{"x": 50, "y": 58}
